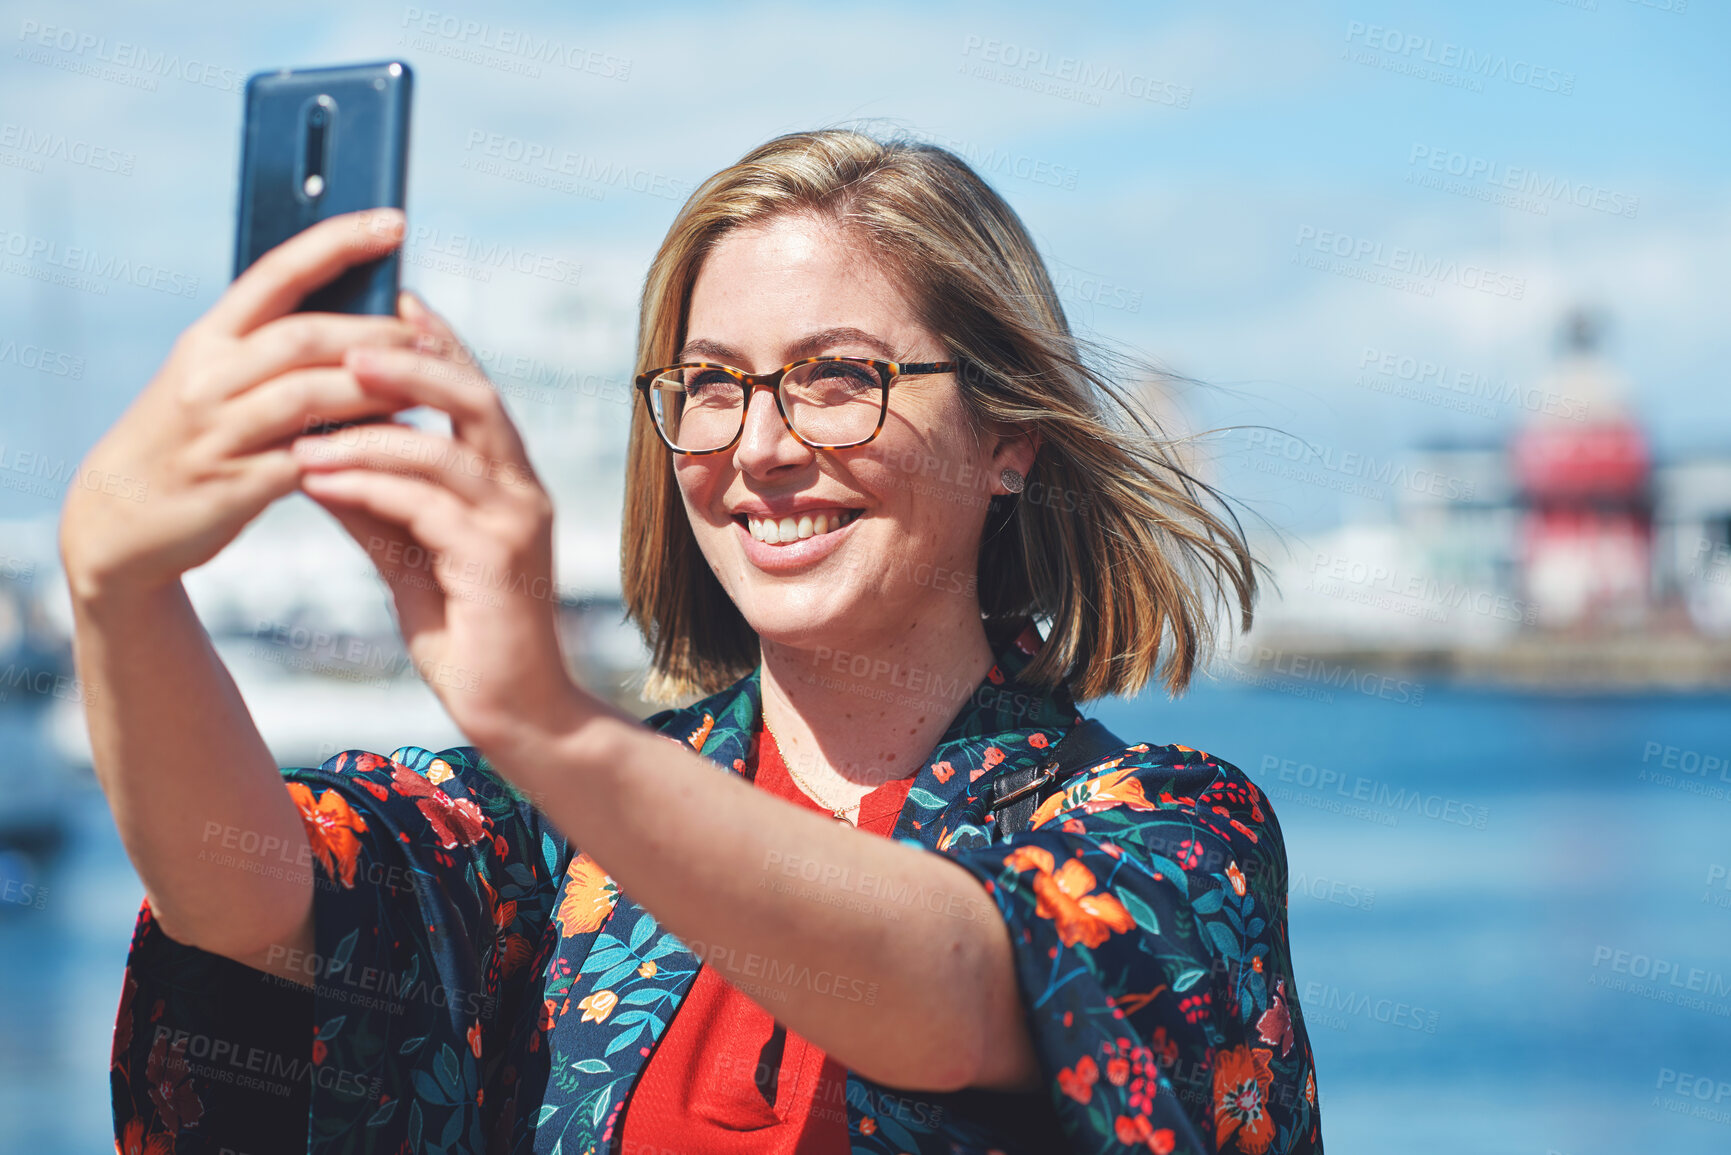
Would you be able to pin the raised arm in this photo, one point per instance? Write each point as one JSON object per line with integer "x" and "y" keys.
{"x": 199, "y": 454}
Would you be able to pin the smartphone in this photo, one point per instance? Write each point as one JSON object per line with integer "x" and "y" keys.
{"x": 319, "y": 142}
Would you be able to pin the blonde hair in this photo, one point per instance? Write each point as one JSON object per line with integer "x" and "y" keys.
{"x": 1139, "y": 571}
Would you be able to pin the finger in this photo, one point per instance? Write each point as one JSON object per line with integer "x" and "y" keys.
{"x": 277, "y": 282}
{"x": 434, "y": 517}
{"x": 447, "y": 344}
{"x": 478, "y": 417}
{"x": 403, "y": 449}
{"x": 298, "y": 341}
{"x": 288, "y": 406}
{"x": 415, "y": 591}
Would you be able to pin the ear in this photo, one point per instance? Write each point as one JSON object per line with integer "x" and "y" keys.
{"x": 1015, "y": 449}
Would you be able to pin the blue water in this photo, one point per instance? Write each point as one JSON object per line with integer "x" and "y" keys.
{"x": 1459, "y": 969}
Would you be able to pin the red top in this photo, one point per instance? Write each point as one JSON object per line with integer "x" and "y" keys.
{"x": 726, "y": 1076}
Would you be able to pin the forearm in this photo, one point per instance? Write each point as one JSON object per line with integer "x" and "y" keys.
{"x": 853, "y": 941}
{"x": 197, "y": 797}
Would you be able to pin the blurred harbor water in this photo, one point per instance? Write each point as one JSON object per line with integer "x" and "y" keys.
{"x": 1509, "y": 916}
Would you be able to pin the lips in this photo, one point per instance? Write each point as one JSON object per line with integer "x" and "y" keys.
{"x": 799, "y": 553}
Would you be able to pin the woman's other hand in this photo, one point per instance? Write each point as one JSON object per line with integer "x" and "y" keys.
{"x": 461, "y": 530}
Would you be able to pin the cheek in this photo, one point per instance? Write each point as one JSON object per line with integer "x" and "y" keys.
{"x": 698, "y": 482}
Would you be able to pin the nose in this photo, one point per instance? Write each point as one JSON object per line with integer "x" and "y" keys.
{"x": 766, "y": 442}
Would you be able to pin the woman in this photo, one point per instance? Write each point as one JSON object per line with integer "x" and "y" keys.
{"x": 844, "y": 553}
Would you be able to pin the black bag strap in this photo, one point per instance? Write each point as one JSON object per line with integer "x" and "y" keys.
{"x": 1017, "y": 794}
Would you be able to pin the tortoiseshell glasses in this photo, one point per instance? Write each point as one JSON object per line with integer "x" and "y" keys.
{"x": 825, "y": 402}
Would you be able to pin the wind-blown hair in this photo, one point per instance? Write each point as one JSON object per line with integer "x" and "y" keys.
{"x": 1126, "y": 556}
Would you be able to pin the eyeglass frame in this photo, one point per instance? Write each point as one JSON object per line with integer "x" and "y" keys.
{"x": 888, "y": 374}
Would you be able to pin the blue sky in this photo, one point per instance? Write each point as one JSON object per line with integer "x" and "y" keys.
{"x": 1178, "y": 198}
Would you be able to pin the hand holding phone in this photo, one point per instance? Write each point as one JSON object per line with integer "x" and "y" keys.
{"x": 319, "y": 142}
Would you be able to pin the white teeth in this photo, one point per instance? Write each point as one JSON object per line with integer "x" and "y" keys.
{"x": 774, "y": 531}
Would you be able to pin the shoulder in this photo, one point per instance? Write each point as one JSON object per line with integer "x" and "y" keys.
{"x": 1152, "y": 790}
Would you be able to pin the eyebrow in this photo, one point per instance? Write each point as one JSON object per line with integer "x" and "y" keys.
{"x": 811, "y": 345}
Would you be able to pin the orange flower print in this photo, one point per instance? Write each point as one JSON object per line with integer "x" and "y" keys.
{"x": 943, "y": 771}
{"x": 332, "y": 826}
{"x": 598, "y": 1006}
{"x": 1117, "y": 788}
{"x": 1038, "y": 741}
{"x": 701, "y": 735}
{"x": 1133, "y": 1130}
{"x": 1310, "y": 1087}
{"x": 1241, "y": 1081}
{"x": 474, "y": 1037}
{"x": 438, "y": 770}
{"x": 133, "y": 1141}
{"x": 1237, "y": 877}
{"x": 1063, "y": 896}
{"x": 1274, "y": 1027}
{"x": 868, "y": 1126}
{"x": 992, "y": 757}
{"x": 588, "y": 897}
{"x": 453, "y": 821}
{"x": 1078, "y": 1083}
{"x": 647, "y": 969}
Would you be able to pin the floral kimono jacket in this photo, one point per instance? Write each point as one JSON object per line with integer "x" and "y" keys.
{"x": 479, "y": 984}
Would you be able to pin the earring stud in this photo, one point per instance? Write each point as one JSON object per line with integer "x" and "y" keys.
{"x": 1012, "y": 480}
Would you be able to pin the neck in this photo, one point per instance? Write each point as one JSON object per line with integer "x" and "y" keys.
{"x": 849, "y": 720}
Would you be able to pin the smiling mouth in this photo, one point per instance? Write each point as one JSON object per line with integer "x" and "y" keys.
{"x": 780, "y": 531}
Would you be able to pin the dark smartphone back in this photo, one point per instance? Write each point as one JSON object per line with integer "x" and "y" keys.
{"x": 319, "y": 142}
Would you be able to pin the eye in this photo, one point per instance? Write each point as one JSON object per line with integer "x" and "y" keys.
{"x": 840, "y": 372}
{"x": 709, "y": 385}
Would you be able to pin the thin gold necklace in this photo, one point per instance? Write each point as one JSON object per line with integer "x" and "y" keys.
{"x": 840, "y": 815}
